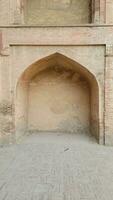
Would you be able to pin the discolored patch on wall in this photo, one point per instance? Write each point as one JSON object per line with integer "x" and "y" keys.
{"x": 6, "y": 108}
{"x": 6, "y": 122}
{"x": 6, "y": 130}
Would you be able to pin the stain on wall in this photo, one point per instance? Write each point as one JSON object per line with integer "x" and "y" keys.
{"x": 6, "y": 122}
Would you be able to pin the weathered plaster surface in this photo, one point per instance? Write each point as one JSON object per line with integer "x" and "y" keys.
{"x": 59, "y": 101}
{"x": 57, "y": 12}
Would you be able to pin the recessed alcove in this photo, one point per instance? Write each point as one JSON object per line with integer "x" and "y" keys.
{"x": 57, "y": 94}
{"x": 57, "y": 12}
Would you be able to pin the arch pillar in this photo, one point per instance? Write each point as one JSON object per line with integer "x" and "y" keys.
{"x": 98, "y": 11}
{"x": 109, "y": 95}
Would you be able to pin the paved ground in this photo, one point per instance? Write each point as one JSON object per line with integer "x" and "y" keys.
{"x": 54, "y": 166}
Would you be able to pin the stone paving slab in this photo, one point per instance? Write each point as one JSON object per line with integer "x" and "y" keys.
{"x": 48, "y": 166}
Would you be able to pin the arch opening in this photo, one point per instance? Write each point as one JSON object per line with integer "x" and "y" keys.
{"x": 57, "y": 94}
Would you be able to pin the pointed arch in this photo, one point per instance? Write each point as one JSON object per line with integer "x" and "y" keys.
{"x": 60, "y": 63}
